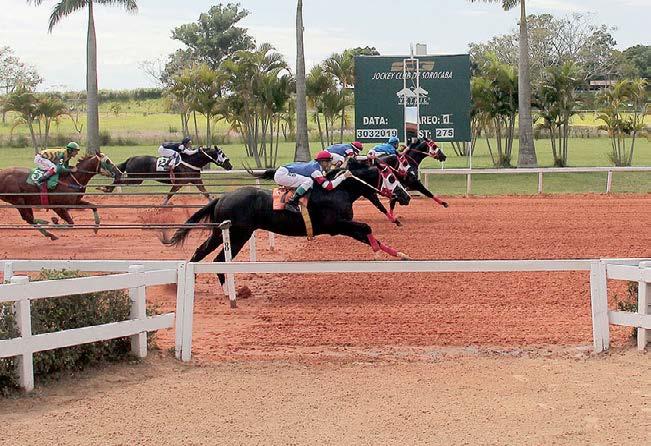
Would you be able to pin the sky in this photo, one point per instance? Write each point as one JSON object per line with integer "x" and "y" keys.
{"x": 125, "y": 40}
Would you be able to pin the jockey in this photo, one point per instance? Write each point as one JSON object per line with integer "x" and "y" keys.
{"x": 303, "y": 175}
{"x": 388, "y": 148}
{"x": 173, "y": 151}
{"x": 341, "y": 153}
{"x": 52, "y": 160}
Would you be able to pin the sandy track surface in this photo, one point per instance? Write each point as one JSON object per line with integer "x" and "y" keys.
{"x": 457, "y": 400}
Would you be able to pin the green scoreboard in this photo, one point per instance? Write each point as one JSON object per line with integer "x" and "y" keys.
{"x": 394, "y": 94}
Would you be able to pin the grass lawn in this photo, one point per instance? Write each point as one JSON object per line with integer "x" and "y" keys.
{"x": 583, "y": 152}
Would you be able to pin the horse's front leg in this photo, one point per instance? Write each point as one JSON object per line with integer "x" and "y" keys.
{"x": 373, "y": 198}
{"x": 420, "y": 187}
{"x": 363, "y": 233}
{"x": 95, "y": 213}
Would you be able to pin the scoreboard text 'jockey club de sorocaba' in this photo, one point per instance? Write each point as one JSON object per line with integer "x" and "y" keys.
{"x": 392, "y": 91}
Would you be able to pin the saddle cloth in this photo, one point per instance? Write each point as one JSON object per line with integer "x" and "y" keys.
{"x": 163, "y": 164}
{"x": 36, "y": 174}
{"x": 281, "y": 195}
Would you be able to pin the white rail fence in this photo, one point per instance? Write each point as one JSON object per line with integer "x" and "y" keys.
{"x": 145, "y": 273}
{"x": 21, "y": 292}
{"x": 540, "y": 171}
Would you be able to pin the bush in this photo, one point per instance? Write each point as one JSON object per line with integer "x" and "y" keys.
{"x": 629, "y": 302}
{"x": 63, "y": 313}
{"x": 20, "y": 142}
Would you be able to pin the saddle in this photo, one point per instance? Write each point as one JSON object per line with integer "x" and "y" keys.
{"x": 36, "y": 174}
{"x": 281, "y": 195}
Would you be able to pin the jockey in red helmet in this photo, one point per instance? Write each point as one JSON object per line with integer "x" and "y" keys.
{"x": 303, "y": 175}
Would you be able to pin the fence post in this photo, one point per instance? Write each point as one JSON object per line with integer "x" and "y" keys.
{"x": 188, "y": 314}
{"x": 609, "y": 181}
{"x": 468, "y": 184}
{"x": 229, "y": 285}
{"x": 138, "y": 298}
{"x": 180, "y": 307}
{"x": 599, "y": 302}
{"x": 426, "y": 180}
{"x": 8, "y": 271}
{"x": 24, "y": 362}
{"x": 272, "y": 241}
{"x": 540, "y": 182}
{"x": 252, "y": 248}
{"x": 643, "y": 303}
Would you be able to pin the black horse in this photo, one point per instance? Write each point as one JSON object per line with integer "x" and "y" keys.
{"x": 139, "y": 168}
{"x": 383, "y": 181}
{"x": 331, "y": 212}
{"x": 406, "y": 165}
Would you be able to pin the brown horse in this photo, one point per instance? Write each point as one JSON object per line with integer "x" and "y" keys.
{"x": 69, "y": 191}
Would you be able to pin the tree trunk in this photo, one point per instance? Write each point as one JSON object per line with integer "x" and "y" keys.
{"x": 341, "y": 131}
{"x": 527, "y": 153}
{"x": 318, "y": 123}
{"x": 92, "y": 98}
{"x": 302, "y": 152}
{"x": 208, "y": 135}
{"x": 196, "y": 130}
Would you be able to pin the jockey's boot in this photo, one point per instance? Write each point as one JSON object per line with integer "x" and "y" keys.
{"x": 46, "y": 176}
{"x": 292, "y": 204}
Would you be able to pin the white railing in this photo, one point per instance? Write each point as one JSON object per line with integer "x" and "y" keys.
{"x": 21, "y": 292}
{"x": 145, "y": 273}
{"x": 602, "y": 318}
{"x": 425, "y": 173}
{"x": 540, "y": 171}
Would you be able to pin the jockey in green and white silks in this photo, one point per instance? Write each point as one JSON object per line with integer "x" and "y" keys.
{"x": 56, "y": 160}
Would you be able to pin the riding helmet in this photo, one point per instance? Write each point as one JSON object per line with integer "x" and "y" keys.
{"x": 323, "y": 155}
{"x": 394, "y": 141}
{"x": 357, "y": 146}
{"x": 72, "y": 146}
{"x": 186, "y": 140}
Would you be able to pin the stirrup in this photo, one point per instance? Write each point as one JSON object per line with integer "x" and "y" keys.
{"x": 291, "y": 207}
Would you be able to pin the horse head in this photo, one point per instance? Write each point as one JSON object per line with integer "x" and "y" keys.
{"x": 382, "y": 179}
{"x": 98, "y": 163}
{"x": 217, "y": 156}
{"x": 427, "y": 147}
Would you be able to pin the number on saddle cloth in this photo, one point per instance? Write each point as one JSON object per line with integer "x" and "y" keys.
{"x": 163, "y": 164}
{"x": 36, "y": 174}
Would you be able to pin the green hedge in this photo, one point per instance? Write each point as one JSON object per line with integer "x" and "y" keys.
{"x": 63, "y": 313}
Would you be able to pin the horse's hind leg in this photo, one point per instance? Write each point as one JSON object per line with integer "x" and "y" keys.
{"x": 171, "y": 193}
{"x": 199, "y": 185}
{"x": 28, "y": 215}
{"x": 208, "y": 246}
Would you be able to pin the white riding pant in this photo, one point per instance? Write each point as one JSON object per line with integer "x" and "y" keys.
{"x": 285, "y": 178}
{"x": 44, "y": 163}
{"x": 169, "y": 153}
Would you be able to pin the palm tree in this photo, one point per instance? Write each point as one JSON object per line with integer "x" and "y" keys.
{"x": 302, "y": 145}
{"x": 341, "y": 66}
{"x": 527, "y": 154}
{"x": 63, "y": 9}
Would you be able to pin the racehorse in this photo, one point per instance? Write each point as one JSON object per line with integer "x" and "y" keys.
{"x": 386, "y": 176}
{"x": 406, "y": 165}
{"x": 331, "y": 212}
{"x": 139, "y": 168}
{"x": 15, "y": 190}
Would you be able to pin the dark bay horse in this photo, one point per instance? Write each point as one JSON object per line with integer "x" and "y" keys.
{"x": 382, "y": 182}
{"x": 331, "y": 212}
{"x": 15, "y": 190}
{"x": 139, "y": 168}
{"x": 406, "y": 165}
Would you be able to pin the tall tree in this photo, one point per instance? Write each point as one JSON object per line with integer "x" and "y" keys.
{"x": 214, "y": 36}
{"x": 63, "y": 9}
{"x": 14, "y": 73}
{"x": 341, "y": 66}
{"x": 302, "y": 152}
{"x": 527, "y": 153}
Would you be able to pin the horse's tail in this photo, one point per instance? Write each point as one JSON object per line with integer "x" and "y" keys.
{"x": 266, "y": 175}
{"x": 203, "y": 214}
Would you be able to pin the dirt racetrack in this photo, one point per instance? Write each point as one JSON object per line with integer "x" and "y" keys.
{"x": 345, "y": 314}
{"x": 369, "y": 359}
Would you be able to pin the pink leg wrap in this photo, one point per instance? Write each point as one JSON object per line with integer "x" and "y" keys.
{"x": 391, "y": 217}
{"x": 375, "y": 245}
{"x": 389, "y": 250}
{"x": 438, "y": 200}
